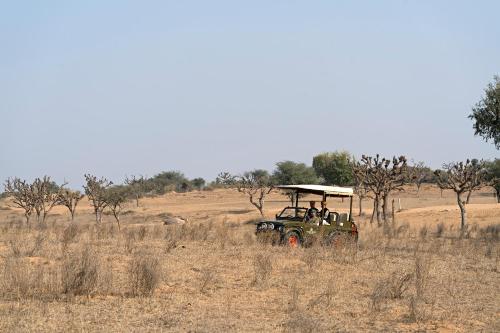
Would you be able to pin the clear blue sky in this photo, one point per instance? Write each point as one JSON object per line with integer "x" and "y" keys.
{"x": 138, "y": 87}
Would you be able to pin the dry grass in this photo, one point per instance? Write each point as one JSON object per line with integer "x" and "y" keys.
{"x": 211, "y": 274}
{"x": 144, "y": 273}
{"x": 80, "y": 272}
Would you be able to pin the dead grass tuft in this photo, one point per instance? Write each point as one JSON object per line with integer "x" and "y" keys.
{"x": 144, "y": 274}
{"x": 25, "y": 245}
{"x": 391, "y": 287}
{"x": 80, "y": 272}
{"x": 263, "y": 268}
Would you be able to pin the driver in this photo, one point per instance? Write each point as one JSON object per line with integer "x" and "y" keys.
{"x": 312, "y": 212}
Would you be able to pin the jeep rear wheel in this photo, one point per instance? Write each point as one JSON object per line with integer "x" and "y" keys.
{"x": 292, "y": 239}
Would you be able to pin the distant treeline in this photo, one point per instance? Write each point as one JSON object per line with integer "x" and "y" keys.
{"x": 331, "y": 168}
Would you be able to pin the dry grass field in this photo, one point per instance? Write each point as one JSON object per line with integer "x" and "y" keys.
{"x": 210, "y": 274}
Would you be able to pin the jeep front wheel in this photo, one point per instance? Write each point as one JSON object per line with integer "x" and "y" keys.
{"x": 292, "y": 239}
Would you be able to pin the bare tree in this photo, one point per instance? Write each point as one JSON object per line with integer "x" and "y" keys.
{"x": 255, "y": 184}
{"x": 461, "y": 177}
{"x": 419, "y": 174}
{"x": 21, "y": 195}
{"x": 137, "y": 186}
{"x": 46, "y": 195}
{"x": 69, "y": 199}
{"x": 478, "y": 183}
{"x": 359, "y": 177}
{"x": 292, "y": 196}
{"x": 225, "y": 179}
{"x": 115, "y": 197}
{"x": 395, "y": 176}
{"x": 95, "y": 189}
{"x": 381, "y": 176}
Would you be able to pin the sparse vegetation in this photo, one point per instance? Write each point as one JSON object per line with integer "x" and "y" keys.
{"x": 146, "y": 272}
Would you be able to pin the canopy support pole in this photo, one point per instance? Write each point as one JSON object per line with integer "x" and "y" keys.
{"x": 350, "y": 210}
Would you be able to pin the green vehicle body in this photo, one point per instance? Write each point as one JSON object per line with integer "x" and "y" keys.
{"x": 291, "y": 226}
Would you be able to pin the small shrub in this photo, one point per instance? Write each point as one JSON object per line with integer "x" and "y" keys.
{"x": 144, "y": 274}
{"x": 170, "y": 244}
{"x": 422, "y": 267}
{"x": 207, "y": 278}
{"x": 440, "y": 230}
{"x": 15, "y": 280}
{"x": 27, "y": 246}
{"x": 423, "y": 232}
{"x": 412, "y": 310}
{"x": 293, "y": 304}
{"x": 80, "y": 272}
{"x": 310, "y": 258}
{"x": 141, "y": 234}
{"x": 263, "y": 268}
{"x": 390, "y": 288}
{"x": 402, "y": 230}
{"x": 129, "y": 241}
{"x": 69, "y": 234}
{"x": 302, "y": 323}
{"x": 324, "y": 298}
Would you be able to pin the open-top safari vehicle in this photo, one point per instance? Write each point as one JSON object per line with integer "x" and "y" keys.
{"x": 296, "y": 226}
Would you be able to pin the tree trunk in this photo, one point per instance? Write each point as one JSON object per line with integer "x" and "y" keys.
{"x": 117, "y": 218}
{"x": 385, "y": 197}
{"x": 360, "y": 206}
{"x": 28, "y": 224}
{"x": 72, "y": 212}
{"x": 377, "y": 207}
{"x": 374, "y": 211}
{"x": 137, "y": 201}
{"x": 498, "y": 195}
{"x": 463, "y": 222}
{"x": 393, "y": 212}
{"x": 261, "y": 210}
{"x": 468, "y": 197}
{"x": 418, "y": 188}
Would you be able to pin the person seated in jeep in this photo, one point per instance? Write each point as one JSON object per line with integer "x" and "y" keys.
{"x": 324, "y": 213}
{"x": 312, "y": 212}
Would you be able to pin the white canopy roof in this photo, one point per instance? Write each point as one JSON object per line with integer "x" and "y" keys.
{"x": 331, "y": 191}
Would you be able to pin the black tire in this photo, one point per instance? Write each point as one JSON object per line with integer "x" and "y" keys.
{"x": 292, "y": 239}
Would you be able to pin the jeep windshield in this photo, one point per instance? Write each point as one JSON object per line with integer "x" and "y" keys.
{"x": 292, "y": 213}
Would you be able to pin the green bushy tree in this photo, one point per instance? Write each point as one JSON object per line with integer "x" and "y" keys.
{"x": 486, "y": 114}
{"x": 334, "y": 168}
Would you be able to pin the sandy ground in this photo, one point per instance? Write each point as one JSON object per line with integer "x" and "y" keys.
{"x": 213, "y": 280}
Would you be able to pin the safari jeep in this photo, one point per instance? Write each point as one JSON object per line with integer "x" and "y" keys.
{"x": 293, "y": 228}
